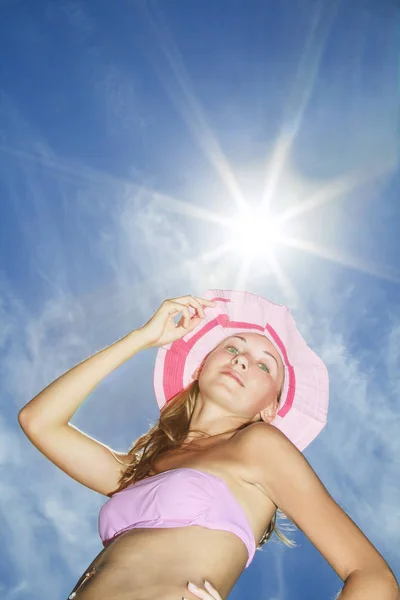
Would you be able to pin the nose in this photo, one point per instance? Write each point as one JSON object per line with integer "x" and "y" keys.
{"x": 241, "y": 359}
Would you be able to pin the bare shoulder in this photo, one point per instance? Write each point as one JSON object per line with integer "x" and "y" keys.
{"x": 264, "y": 448}
{"x": 260, "y": 435}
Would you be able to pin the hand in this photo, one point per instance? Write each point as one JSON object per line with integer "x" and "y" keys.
{"x": 161, "y": 328}
{"x": 212, "y": 593}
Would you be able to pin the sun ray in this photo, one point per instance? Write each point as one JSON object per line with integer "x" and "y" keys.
{"x": 275, "y": 167}
{"x": 69, "y": 170}
{"x": 302, "y": 90}
{"x": 78, "y": 173}
{"x": 286, "y": 285}
{"x": 334, "y": 190}
{"x": 243, "y": 272}
{"x": 192, "y": 113}
{"x": 189, "y": 210}
{"x": 335, "y": 256}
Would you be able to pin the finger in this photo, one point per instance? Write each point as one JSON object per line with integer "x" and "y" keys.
{"x": 186, "y": 316}
{"x": 205, "y": 301}
{"x": 200, "y": 593}
{"x": 194, "y": 322}
{"x": 198, "y": 306}
{"x": 199, "y": 303}
{"x": 212, "y": 590}
{"x": 183, "y": 322}
{"x": 194, "y": 303}
{"x": 177, "y": 307}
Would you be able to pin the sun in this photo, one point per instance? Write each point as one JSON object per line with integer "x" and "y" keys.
{"x": 255, "y": 232}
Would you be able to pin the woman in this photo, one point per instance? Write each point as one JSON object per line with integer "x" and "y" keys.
{"x": 195, "y": 496}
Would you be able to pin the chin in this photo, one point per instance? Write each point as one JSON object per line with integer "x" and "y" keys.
{"x": 218, "y": 394}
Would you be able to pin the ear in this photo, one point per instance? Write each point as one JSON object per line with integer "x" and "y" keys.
{"x": 269, "y": 413}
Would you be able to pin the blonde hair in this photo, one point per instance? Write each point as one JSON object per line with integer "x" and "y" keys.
{"x": 169, "y": 433}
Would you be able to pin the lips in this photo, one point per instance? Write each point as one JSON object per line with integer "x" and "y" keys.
{"x": 234, "y": 376}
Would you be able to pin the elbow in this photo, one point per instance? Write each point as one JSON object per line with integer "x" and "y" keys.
{"x": 21, "y": 418}
{"x": 382, "y": 582}
{"x": 24, "y": 420}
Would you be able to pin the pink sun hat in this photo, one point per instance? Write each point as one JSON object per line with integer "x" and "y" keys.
{"x": 303, "y": 405}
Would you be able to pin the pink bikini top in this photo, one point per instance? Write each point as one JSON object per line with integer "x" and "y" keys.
{"x": 176, "y": 498}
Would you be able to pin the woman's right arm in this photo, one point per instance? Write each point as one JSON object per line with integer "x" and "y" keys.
{"x": 45, "y": 419}
{"x": 57, "y": 403}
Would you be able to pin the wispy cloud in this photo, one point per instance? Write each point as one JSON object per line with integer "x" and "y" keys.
{"x": 361, "y": 435}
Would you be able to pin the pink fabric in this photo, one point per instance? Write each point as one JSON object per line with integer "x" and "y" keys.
{"x": 176, "y": 498}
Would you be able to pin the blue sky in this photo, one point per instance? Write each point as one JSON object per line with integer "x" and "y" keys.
{"x": 133, "y": 135}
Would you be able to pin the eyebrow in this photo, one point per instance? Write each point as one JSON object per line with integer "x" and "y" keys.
{"x": 265, "y": 352}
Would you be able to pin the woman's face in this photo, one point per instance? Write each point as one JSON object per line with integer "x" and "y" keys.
{"x": 257, "y": 364}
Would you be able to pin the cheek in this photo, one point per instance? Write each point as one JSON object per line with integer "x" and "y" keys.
{"x": 210, "y": 366}
{"x": 214, "y": 362}
{"x": 263, "y": 388}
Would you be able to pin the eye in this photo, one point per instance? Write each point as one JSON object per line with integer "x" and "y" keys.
{"x": 228, "y": 347}
{"x": 263, "y": 364}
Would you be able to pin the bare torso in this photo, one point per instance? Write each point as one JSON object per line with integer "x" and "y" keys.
{"x": 156, "y": 564}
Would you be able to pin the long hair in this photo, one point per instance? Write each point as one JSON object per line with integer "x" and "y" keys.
{"x": 169, "y": 433}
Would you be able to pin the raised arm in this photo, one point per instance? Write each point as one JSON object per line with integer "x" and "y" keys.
{"x": 57, "y": 403}
{"x": 45, "y": 419}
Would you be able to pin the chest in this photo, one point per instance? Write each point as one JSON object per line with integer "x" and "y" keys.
{"x": 225, "y": 460}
